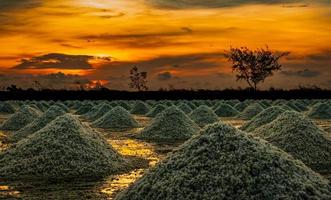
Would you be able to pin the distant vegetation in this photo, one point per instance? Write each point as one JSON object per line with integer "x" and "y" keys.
{"x": 254, "y": 66}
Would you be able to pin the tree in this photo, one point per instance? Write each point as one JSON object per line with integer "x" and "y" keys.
{"x": 138, "y": 79}
{"x": 254, "y": 66}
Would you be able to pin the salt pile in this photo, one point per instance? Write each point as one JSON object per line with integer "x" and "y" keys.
{"x": 264, "y": 117}
{"x": 170, "y": 125}
{"x": 224, "y": 163}
{"x": 300, "y": 137}
{"x": 203, "y": 116}
{"x": 225, "y": 110}
{"x": 117, "y": 118}
{"x": 250, "y": 111}
{"x": 39, "y": 123}
{"x": 140, "y": 108}
{"x": 20, "y": 118}
{"x": 64, "y": 149}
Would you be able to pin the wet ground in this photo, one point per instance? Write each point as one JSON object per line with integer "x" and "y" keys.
{"x": 87, "y": 189}
{"x": 109, "y": 187}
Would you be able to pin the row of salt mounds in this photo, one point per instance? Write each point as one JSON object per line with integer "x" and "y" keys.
{"x": 93, "y": 111}
{"x": 117, "y": 118}
{"x": 124, "y": 105}
{"x": 241, "y": 106}
{"x": 20, "y": 118}
{"x": 320, "y": 111}
{"x": 185, "y": 108}
{"x": 100, "y": 112}
{"x": 140, "y": 108}
{"x": 225, "y": 110}
{"x": 225, "y": 163}
{"x": 203, "y": 116}
{"x": 83, "y": 109}
{"x": 6, "y": 108}
{"x": 52, "y": 113}
{"x": 250, "y": 111}
{"x": 64, "y": 149}
{"x": 170, "y": 125}
{"x": 263, "y": 118}
{"x": 156, "y": 110}
{"x": 300, "y": 137}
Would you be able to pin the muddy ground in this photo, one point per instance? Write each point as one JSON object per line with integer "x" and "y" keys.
{"x": 109, "y": 187}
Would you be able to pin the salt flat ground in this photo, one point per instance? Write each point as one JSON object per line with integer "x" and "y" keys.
{"x": 109, "y": 187}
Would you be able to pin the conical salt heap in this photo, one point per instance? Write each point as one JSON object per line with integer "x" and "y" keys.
{"x": 140, "y": 108}
{"x": 83, "y": 109}
{"x": 250, "y": 111}
{"x": 225, "y": 163}
{"x": 203, "y": 116}
{"x": 300, "y": 105}
{"x": 20, "y": 118}
{"x": 101, "y": 112}
{"x": 225, "y": 110}
{"x": 39, "y": 123}
{"x": 93, "y": 111}
{"x": 241, "y": 106}
{"x": 320, "y": 111}
{"x": 6, "y": 108}
{"x": 124, "y": 105}
{"x": 65, "y": 149}
{"x": 64, "y": 107}
{"x": 293, "y": 106}
{"x": 170, "y": 125}
{"x": 300, "y": 137}
{"x": 185, "y": 108}
{"x": 263, "y": 118}
{"x": 117, "y": 118}
{"x": 156, "y": 110}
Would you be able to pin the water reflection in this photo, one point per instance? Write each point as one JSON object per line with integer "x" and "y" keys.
{"x": 237, "y": 123}
{"x": 129, "y": 147}
{"x": 8, "y": 192}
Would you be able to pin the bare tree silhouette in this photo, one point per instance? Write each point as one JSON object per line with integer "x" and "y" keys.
{"x": 254, "y": 66}
{"x": 138, "y": 79}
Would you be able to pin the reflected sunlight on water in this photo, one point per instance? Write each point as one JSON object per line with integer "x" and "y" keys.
{"x": 129, "y": 147}
{"x": 237, "y": 123}
{"x": 8, "y": 191}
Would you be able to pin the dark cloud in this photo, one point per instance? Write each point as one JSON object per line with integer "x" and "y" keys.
{"x": 182, "y": 4}
{"x": 51, "y": 81}
{"x": 56, "y": 61}
{"x": 223, "y": 75}
{"x": 164, "y": 76}
{"x": 321, "y": 56}
{"x": 187, "y": 29}
{"x": 108, "y": 16}
{"x": 151, "y": 39}
{"x": 185, "y": 62}
{"x": 6, "y": 5}
{"x": 306, "y": 73}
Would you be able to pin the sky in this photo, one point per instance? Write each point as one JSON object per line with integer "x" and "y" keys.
{"x": 180, "y": 43}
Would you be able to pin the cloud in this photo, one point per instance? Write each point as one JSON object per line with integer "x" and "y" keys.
{"x": 50, "y": 81}
{"x": 138, "y": 40}
{"x": 306, "y": 73}
{"x": 57, "y": 61}
{"x": 164, "y": 76}
{"x": 321, "y": 56}
{"x": 7, "y": 5}
{"x": 182, "y": 4}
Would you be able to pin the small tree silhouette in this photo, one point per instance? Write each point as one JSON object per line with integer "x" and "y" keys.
{"x": 138, "y": 79}
{"x": 254, "y": 66}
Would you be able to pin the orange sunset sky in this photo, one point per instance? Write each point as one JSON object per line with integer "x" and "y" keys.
{"x": 179, "y": 43}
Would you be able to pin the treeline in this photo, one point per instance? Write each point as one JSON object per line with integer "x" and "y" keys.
{"x": 103, "y": 93}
